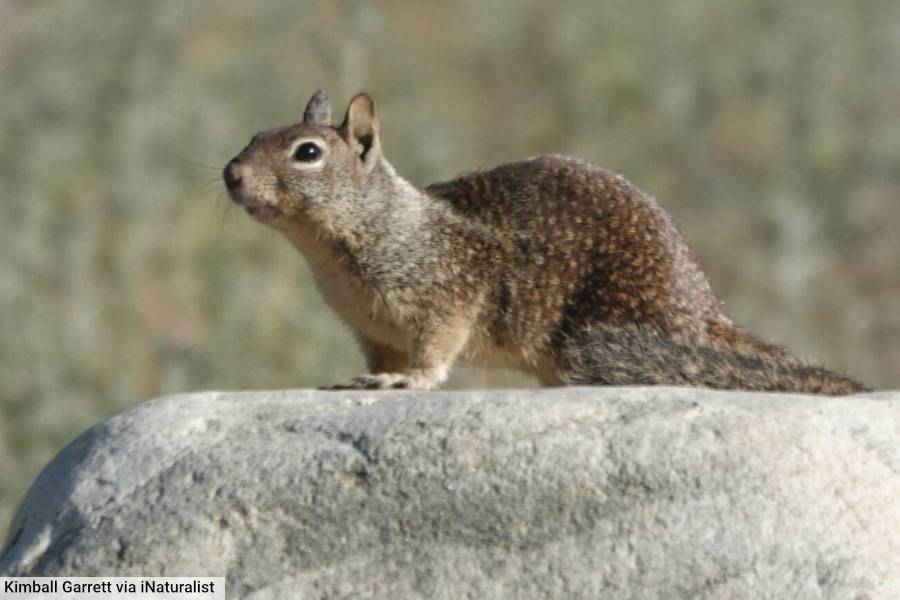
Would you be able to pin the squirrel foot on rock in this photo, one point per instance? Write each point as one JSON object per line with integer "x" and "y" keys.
{"x": 386, "y": 381}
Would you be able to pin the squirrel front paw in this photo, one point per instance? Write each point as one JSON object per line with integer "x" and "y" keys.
{"x": 379, "y": 381}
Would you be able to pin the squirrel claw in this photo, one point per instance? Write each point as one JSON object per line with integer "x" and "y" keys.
{"x": 380, "y": 381}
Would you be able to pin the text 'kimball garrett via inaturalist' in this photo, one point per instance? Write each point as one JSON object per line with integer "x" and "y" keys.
{"x": 552, "y": 265}
{"x": 146, "y": 586}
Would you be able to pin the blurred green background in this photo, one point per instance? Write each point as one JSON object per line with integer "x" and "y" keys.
{"x": 770, "y": 129}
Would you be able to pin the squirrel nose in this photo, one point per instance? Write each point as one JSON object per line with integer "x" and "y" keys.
{"x": 231, "y": 176}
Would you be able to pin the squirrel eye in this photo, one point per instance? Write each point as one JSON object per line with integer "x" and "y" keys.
{"x": 307, "y": 152}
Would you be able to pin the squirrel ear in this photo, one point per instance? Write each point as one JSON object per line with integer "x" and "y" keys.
{"x": 318, "y": 109}
{"x": 360, "y": 129}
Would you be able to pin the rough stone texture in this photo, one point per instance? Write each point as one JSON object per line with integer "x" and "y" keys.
{"x": 592, "y": 493}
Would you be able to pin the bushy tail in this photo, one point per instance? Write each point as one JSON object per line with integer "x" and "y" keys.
{"x": 646, "y": 355}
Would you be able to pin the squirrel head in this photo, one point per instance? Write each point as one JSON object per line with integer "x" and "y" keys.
{"x": 310, "y": 171}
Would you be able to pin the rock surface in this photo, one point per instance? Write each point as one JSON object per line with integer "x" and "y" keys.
{"x": 566, "y": 493}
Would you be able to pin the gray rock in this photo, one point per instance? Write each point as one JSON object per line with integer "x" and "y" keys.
{"x": 575, "y": 493}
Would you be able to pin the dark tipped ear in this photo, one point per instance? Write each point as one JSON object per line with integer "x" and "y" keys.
{"x": 360, "y": 129}
{"x": 318, "y": 109}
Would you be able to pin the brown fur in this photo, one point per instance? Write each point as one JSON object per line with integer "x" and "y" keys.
{"x": 551, "y": 265}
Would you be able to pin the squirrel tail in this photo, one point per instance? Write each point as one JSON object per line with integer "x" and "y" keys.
{"x": 647, "y": 355}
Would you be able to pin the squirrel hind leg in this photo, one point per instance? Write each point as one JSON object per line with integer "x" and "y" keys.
{"x": 622, "y": 355}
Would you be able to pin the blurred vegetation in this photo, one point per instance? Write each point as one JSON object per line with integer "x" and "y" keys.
{"x": 770, "y": 129}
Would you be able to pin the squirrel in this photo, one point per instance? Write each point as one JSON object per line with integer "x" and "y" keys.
{"x": 552, "y": 265}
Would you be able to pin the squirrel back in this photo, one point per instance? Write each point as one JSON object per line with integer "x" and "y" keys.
{"x": 551, "y": 265}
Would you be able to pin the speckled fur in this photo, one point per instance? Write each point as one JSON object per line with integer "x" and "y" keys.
{"x": 552, "y": 265}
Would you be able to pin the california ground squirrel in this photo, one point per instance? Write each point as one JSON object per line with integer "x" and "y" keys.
{"x": 551, "y": 265}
